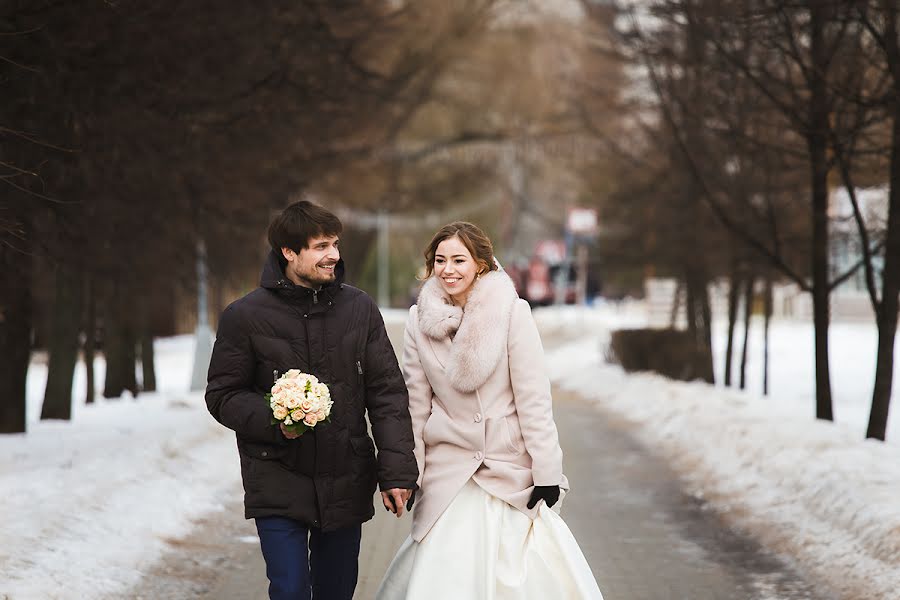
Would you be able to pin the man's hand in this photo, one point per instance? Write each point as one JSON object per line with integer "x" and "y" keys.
{"x": 395, "y": 499}
{"x": 288, "y": 434}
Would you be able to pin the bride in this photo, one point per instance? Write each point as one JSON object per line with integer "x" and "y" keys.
{"x": 486, "y": 445}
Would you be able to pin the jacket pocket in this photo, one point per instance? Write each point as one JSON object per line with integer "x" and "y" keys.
{"x": 363, "y": 473}
{"x": 266, "y": 478}
{"x": 513, "y": 434}
{"x": 363, "y": 446}
{"x": 258, "y": 451}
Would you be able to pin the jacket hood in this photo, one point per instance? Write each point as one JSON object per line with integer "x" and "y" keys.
{"x": 481, "y": 330}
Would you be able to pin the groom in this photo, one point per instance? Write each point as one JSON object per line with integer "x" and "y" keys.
{"x": 310, "y": 494}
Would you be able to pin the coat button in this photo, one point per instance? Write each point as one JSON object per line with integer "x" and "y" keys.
{"x": 479, "y": 455}
{"x": 478, "y": 417}
{"x": 265, "y": 453}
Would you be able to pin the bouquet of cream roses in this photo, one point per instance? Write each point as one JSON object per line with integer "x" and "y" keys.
{"x": 299, "y": 401}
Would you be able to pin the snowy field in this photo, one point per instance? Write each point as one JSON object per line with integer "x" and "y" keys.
{"x": 91, "y": 503}
{"x": 814, "y": 492}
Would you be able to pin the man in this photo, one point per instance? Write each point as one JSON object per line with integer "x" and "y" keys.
{"x": 310, "y": 494}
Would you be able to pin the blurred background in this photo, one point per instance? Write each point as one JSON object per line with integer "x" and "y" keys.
{"x": 698, "y": 156}
{"x": 707, "y": 190}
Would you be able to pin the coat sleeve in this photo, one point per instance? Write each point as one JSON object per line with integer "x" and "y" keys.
{"x": 420, "y": 392}
{"x": 230, "y": 397}
{"x": 387, "y": 403}
{"x": 531, "y": 390}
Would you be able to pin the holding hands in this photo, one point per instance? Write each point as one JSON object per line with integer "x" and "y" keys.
{"x": 396, "y": 498}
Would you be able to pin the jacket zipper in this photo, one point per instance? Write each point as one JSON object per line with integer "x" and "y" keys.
{"x": 315, "y": 297}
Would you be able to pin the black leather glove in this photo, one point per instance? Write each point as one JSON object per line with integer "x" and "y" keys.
{"x": 411, "y": 501}
{"x": 548, "y": 493}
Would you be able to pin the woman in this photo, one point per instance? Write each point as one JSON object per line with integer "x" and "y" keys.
{"x": 490, "y": 465}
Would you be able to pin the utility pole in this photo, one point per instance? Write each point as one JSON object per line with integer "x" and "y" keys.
{"x": 203, "y": 334}
{"x": 562, "y": 275}
{"x": 386, "y": 223}
{"x": 581, "y": 269}
{"x": 384, "y": 259}
{"x": 581, "y": 230}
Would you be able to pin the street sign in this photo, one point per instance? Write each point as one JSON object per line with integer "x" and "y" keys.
{"x": 582, "y": 221}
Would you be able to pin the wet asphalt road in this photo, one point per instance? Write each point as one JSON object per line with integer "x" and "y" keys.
{"x": 644, "y": 538}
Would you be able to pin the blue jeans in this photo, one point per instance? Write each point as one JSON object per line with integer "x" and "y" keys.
{"x": 302, "y": 560}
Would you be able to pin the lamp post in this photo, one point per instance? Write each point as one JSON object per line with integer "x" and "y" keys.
{"x": 384, "y": 259}
{"x": 581, "y": 230}
{"x": 203, "y": 334}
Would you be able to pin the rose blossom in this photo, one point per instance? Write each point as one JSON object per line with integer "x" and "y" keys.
{"x": 311, "y": 419}
{"x": 280, "y": 412}
{"x": 292, "y": 374}
{"x": 292, "y": 400}
{"x": 320, "y": 415}
{"x": 297, "y": 415}
{"x": 306, "y": 404}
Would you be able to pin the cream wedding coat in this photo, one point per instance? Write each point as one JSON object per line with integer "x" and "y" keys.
{"x": 479, "y": 400}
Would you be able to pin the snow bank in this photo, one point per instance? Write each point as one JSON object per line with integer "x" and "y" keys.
{"x": 89, "y": 504}
{"x": 810, "y": 490}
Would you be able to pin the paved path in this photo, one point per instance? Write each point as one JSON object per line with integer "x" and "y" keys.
{"x": 644, "y": 539}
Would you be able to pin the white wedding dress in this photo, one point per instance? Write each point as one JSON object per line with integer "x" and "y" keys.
{"x": 481, "y": 548}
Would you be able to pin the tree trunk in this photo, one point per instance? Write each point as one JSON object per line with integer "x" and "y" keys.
{"x": 15, "y": 336}
{"x": 816, "y": 144}
{"x": 706, "y": 312}
{"x": 90, "y": 339}
{"x": 120, "y": 344}
{"x": 147, "y": 362}
{"x": 887, "y": 315}
{"x": 698, "y": 318}
{"x": 767, "y": 318}
{"x": 748, "y": 312}
{"x": 676, "y": 304}
{"x": 63, "y": 346}
{"x": 733, "y": 284}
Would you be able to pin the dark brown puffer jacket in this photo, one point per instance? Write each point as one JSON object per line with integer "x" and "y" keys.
{"x": 326, "y": 478}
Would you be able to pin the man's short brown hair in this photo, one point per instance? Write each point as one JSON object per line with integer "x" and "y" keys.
{"x": 299, "y": 223}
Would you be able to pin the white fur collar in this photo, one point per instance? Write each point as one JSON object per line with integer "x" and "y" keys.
{"x": 480, "y": 337}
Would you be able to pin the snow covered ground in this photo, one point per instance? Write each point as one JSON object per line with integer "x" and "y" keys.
{"x": 88, "y": 504}
{"x": 91, "y": 503}
{"x": 813, "y": 491}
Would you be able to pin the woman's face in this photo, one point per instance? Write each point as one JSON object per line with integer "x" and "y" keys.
{"x": 455, "y": 269}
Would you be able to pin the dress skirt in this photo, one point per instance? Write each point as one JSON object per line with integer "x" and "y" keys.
{"x": 481, "y": 548}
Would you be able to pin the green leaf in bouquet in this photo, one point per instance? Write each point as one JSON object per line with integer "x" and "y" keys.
{"x": 298, "y": 428}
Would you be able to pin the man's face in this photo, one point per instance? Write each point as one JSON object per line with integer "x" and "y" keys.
{"x": 314, "y": 265}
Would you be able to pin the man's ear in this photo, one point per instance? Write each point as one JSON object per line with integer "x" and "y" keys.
{"x": 288, "y": 254}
